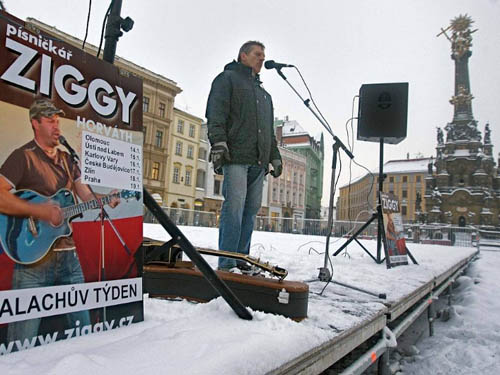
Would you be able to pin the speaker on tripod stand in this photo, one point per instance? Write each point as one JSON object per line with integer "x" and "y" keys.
{"x": 382, "y": 118}
{"x": 383, "y": 112}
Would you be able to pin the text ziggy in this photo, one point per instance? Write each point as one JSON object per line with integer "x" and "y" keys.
{"x": 105, "y": 105}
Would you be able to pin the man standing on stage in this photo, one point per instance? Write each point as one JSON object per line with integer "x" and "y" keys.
{"x": 240, "y": 128}
{"x": 40, "y": 166}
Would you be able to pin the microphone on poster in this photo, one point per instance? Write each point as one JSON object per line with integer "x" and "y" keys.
{"x": 65, "y": 143}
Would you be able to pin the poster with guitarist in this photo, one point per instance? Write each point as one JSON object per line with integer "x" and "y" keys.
{"x": 394, "y": 240}
{"x": 70, "y": 191}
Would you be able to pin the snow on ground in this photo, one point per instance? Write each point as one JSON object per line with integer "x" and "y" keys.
{"x": 468, "y": 343}
{"x": 182, "y": 337}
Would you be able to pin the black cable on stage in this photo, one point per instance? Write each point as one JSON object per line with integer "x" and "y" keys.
{"x": 87, "y": 28}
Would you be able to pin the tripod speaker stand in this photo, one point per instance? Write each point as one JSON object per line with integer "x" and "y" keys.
{"x": 377, "y": 215}
{"x": 382, "y": 117}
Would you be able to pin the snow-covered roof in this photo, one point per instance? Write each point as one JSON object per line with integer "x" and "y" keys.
{"x": 398, "y": 166}
{"x": 293, "y": 128}
{"x": 406, "y": 166}
{"x": 302, "y": 144}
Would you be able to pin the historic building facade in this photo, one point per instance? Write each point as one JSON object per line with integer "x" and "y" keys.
{"x": 158, "y": 111}
{"x": 405, "y": 178}
{"x": 286, "y": 194}
{"x": 182, "y": 166}
{"x": 203, "y": 169}
{"x": 292, "y": 136}
{"x": 462, "y": 186}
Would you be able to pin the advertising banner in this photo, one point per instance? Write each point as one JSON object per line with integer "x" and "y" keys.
{"x": 70, "y": 190}
{"x": 394, "y": 240}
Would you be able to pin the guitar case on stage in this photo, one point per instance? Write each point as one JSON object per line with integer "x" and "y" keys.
{"x": 172, "y": 278}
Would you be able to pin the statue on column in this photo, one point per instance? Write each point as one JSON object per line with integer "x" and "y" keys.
{"x": 461, "y": 38}
{"x": 439, "y": 136}
{"x": 450, "y": 132}
{"x": 487, "y": 134}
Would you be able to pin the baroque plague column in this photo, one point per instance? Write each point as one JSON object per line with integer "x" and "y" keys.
{"x": 462, "y": 184}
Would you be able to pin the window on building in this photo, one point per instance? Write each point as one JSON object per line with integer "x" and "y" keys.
{"x": 294, "y": 199}
{"x": 159, "y": 138}
{"x": 187, "y": 179}
{"x": 391, "y": 180}
{"x": 178, "y": 148}
{"x": 176, "y": 174}
{"x": 191, "y": 130}
{"x": 301, "y": 179}
{"x": 180, "y": 127}
{"x": 405, "y": 179}
{"x": 287, "y": 196}
{"x": 190, "y": 152}
{"x": 200, "y": 178}
{"x": 294, "y": 177}
{"x": 418, "y": 178}
{"x": 217, "y": 187}
{"x": 281, "y": 196}
{"x": 202, "y": 154}
{"x": 144, "y": 132}
{"x": 145, "y": 104}
{"x": 155, "y": 171}
{"x": 162, "y": 109}
{"x": 403, "y": 210}
{"x": 275, "y": 194}
{"x": 405, "y": 194}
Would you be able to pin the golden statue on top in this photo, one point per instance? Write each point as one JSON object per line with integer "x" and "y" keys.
{"x": 461, "y": 37}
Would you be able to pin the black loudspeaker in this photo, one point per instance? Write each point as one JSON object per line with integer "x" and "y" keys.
{"x": 383, "y": 112}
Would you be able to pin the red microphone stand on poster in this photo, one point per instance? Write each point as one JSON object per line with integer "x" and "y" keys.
{"x": 394, "y": 240}
{"x": 70, "y": 191}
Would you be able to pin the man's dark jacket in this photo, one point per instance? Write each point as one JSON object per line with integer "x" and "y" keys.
{"x": 240, "y": 113}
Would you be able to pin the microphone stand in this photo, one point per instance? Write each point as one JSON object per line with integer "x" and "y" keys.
{"x": 324, "y": 272}
{"x": 103, "y": 216}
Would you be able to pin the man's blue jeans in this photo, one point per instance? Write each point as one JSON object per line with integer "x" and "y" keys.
{"x": 242, "y": 190}
{"x": 57, "y": 268}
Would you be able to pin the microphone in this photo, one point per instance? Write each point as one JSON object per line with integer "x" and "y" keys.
{"x": 65, "y": 143}
{"x": 271, "y": 64}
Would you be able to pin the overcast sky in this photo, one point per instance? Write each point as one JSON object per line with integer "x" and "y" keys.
{"x": 337, "y": 45}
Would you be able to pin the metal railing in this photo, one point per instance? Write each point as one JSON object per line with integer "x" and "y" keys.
{"x": 182, "y": 216}
{"x": 438, "y": 234}
{"x": 488, "y": 240}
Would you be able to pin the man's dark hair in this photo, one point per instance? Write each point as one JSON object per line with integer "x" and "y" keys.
{"x": 247, "y": 47}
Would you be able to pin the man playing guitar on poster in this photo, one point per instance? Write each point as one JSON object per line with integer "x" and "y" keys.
{"x": 41, "y": 167}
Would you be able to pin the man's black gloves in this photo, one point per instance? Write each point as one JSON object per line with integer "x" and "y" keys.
{"x": 277, "y": 168}
{"x": 219, "y": 155}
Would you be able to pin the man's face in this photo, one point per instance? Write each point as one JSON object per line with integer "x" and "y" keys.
{"x": 254, "y": 59}
{"x": 47, "y": 130}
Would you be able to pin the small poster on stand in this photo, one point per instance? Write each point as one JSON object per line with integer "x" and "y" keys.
{"x": 71, "y": 180}
{"x": 394, "y": 240}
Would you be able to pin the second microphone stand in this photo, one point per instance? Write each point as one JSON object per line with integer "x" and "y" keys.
{"x": 324, "y": 272}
